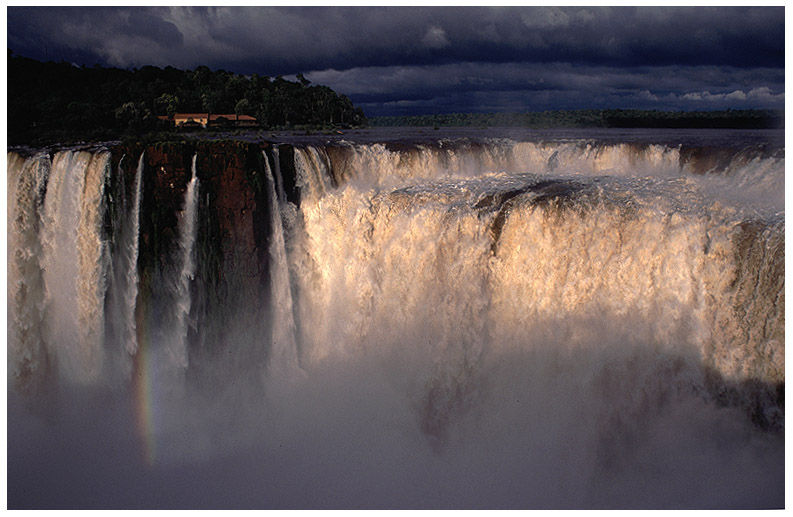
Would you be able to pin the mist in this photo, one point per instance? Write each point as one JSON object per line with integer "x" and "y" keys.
{"x": 551, "y": 427}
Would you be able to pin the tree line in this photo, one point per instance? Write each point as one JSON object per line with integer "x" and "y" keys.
{"x": 61, "y": 100}
{"x": 606, "y": 118}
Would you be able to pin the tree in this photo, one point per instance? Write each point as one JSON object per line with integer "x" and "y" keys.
{"x": 206, "y": 101}
{"x": 167, "y": 104}
{"x": 134, "y": 116}
{"x": 243, "y": 107}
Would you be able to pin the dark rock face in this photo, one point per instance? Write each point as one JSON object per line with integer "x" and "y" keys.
{"x": 234, "y": 207}
{"x": 229, "y": 289}
{"x": 286, "y": 163}
{"x": 232, "y": 246}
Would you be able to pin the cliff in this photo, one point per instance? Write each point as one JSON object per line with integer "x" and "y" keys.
{"x": 230, "y": 288}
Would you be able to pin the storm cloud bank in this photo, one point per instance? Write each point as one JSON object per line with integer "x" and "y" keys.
{"x": 408, "y": 60}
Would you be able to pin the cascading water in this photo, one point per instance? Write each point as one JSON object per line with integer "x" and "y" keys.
{"x": 131, "y": 249}
{"x": 459, "y": 324}
{"x": 314, "y": 179}
{"x": 284, "y": 345}
{"x": 123, "y": 292}
{"x": 74, "y": 260}
{"x": 27, "y": 180}
{"x": 177, "y": 340}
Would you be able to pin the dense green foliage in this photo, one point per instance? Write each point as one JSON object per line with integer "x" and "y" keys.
{"x": 60, "y": 101}
{"x": 614, "y": 118}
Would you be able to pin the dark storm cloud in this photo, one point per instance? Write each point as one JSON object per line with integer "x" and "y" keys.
{"x": 485, "y": 86}
{"x": 381, "y": 55}
{"x": 111, "y": 36}
{"x": 304, "y": 38}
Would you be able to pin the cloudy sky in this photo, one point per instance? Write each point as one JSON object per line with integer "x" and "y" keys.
{"x": 409, "y": 60}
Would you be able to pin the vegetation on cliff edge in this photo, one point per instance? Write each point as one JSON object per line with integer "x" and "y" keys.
{"x": 50, "y": 102}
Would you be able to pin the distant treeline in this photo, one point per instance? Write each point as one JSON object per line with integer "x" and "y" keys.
{"x": 609, "y": 118}
{"x": 60, "y": 101}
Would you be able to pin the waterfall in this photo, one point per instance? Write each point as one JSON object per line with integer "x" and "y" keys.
{"x": 284, "y": 345}
{"x": 123, "y": 292}
{"x": 131, "y": 253}
{"x": 577, "y": 319}
{"x": 311, "y": 165}
{"x": 75, "y": 259}
{"x": 27, "y": 180}
{"x": 59, "y": 253}
{"x": 376, "y": 229}
{"x": 743, "y": 175}
{"x": 177, "y": 345}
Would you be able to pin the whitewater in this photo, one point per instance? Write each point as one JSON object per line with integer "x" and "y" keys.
{"x": 448, "y": 319}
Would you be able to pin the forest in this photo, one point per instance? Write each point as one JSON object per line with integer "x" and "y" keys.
{"x": 606, "y": 118}
{"x": 61, "y": 102}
